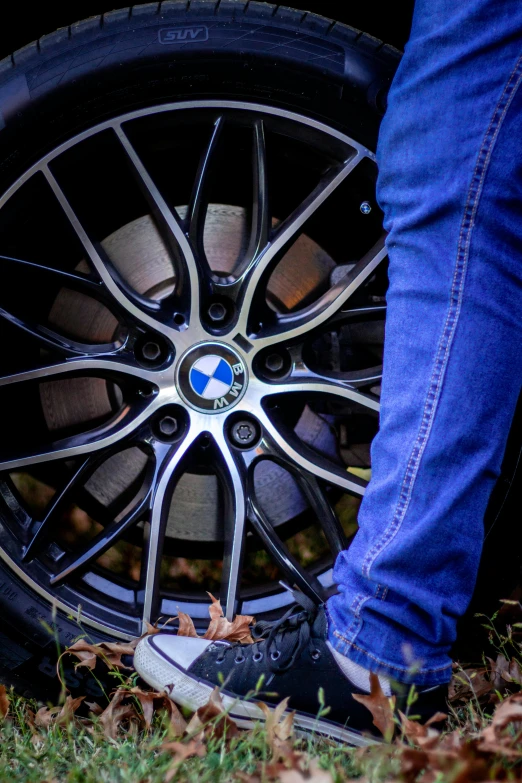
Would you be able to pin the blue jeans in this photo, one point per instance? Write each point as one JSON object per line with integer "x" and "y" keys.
{"x": 450, "y": 185}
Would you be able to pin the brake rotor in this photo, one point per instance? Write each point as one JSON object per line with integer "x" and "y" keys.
{"x": 139, "y": 254}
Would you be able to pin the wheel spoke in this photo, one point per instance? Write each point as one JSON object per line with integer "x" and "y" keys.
{"x": 312, "y": 385}
{"x": 106, "y": 538}
{"x": 171, "y": 469}
{"x": 50, "y": 339}
{"x": 326, "y": 306}
{"x": 131, "y": 303}
{"x": 170, "y": 225}
{"x": 123, "y": 425}
{"x": 58, "y": 503}
{"x": 288, "y": 230}
{"x": 274, "y": 545}
{"x": 282, "y": 556}
{"x": 261, "y": 218}
{"x": 197, "y": 210}
{"x": 351, "y": 378}
{"x": 326, "y": 516}
{"x": 85, "y": 365}
{"x": 86, "y": 285}
{"x": 298, "y": 457}
{"x": 233, "y": 479}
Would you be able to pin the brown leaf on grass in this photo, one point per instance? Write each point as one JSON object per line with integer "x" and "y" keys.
{"x": 180, "y": 752}
{"x": 294, "y": 767}
{"x": 110, "y": 653}
{"x": 468, "y": 684}
{"x": 380, "y": 706}
{"x": 279, "y": 728}
{"x": 502, "y": 671}
{"x": 212, "y": 720}
{"x": 4, "y": 702}
{"x": 146, "y": 700}
{"x": 494, "y": 738}
{"x": 421, "y": 734}
{"x": 44, "y": 717}
{"x": 58, "y": 716}
{"x": 152, "y": 702}
{"x": 178, "y": 724}
{"x": 94, "y": 707}
{"x": 313, "y": 774}
{"x": 497, "y": 670}
{"x": 278, "y": 725}
{"x": 118, "y": 715}
{"x": 222, "y": 629}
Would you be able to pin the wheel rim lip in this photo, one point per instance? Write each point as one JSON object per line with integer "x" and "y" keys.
{"x": 277, "y": 599}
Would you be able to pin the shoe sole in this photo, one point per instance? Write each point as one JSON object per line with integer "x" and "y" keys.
{"x": 192, "y": 693}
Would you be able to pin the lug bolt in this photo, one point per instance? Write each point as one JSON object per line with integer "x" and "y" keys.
{"x": 366, "y": 207}
{"x": 168, "y": 426}
{"x": 274, "y": 362}
{"x": 244, "y": 433}
{"x": 217, "y": 312}
{"x": 151, "y": 351}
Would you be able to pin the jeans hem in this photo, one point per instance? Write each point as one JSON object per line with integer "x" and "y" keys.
{"x": 425, "y": 677}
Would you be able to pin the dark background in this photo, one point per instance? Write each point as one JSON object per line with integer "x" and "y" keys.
{"x": 27, "y": 21}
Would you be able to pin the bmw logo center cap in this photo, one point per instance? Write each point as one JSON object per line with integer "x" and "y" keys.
{"x": 211, "y": 377}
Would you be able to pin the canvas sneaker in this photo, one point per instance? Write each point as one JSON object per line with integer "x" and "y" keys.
{"x": 295, "y": 660}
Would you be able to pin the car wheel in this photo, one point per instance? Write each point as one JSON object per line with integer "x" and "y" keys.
{"x": 192, "y": 314}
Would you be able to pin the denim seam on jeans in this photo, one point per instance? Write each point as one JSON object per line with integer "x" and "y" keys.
{"x": 355, "y": 608}
{"x": 450, "y": 326}
{"x": 402, "y": 669}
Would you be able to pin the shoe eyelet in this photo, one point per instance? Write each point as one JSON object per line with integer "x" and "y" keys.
{"x": 315, "y": 655}
{"x": 240, "y": 660}
{"x": 275, "y": 655}
{"x": 257, "y": 657}
{"x": 220, "y": 660}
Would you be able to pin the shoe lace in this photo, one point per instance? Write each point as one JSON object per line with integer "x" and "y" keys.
{"x": 282, "y": 641}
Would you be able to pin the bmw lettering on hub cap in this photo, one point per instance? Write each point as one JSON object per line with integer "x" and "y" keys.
{"x": 211, "y": 377}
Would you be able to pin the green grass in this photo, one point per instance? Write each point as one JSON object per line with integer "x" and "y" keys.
{"x": 80, "y": 748}
{"x": 82, "y": 754}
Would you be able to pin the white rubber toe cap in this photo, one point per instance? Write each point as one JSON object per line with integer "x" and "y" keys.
{"x": 163, "y": 659}
{"x": 181, "y": 650}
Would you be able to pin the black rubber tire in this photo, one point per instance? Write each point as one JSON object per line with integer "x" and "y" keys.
{"x": 78, "y": 76}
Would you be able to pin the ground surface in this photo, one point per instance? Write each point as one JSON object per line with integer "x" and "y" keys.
{"x": 141, "y": 737}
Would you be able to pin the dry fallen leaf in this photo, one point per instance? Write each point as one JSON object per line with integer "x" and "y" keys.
{"x": 220, "y": 628}
{"x": 177, "y": 722}
{"x": 118, "y": 715}
{"x": 279, "y": 728}
{"x": 186, "y": 626}
{"x": 380, "y": 706}
{"x": 110, "y": 653}
{"x": 146, "y": 700}
{"x": 4, "y": 702}
{"x": 421, "y": 734}
{"x": 58, "y": 716}
{"x": 494, "y": 739}
{"x": 314, "y": 774}
{"x": 180, "y": 752}
{"x": 152, "y": 702}
{"x": 467, "y": 684}
{"x": 212, "y": 720}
